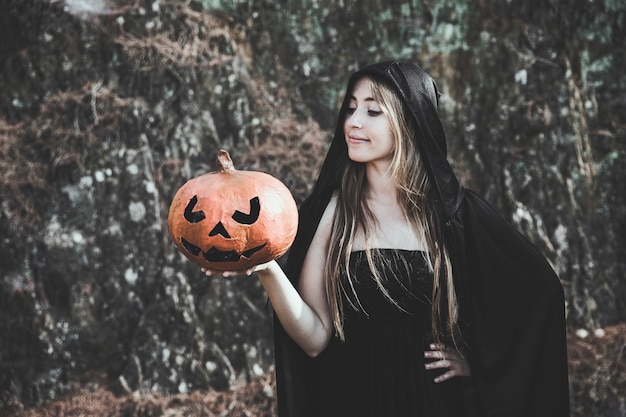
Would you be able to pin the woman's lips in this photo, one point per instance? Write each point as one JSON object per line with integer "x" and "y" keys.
{"x": 357, "y": 139}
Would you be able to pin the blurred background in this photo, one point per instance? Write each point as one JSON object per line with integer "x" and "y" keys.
{"x": 108, "y": 107}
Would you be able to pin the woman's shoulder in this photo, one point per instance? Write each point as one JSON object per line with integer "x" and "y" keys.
{"x": 326, "y": 220}
{"x": 331, "y": 207}
{"x": 326, "y": 223}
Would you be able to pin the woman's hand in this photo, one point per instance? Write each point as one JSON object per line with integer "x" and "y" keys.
{"x": 236, "y": 273}
{"x": 449, "y": 359}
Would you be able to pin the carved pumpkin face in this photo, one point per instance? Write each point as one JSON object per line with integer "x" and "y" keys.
{"x": 233, "y": 220}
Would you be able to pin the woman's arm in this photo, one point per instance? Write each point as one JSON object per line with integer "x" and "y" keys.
{"x": 303, "y": 312}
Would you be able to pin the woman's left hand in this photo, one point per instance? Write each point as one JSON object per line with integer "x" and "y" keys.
{"x": 449, "y": 359}
{"x": 236, "y": 273}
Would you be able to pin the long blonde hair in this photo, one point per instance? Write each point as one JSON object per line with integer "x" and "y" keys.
{"x": 420, "y": 208}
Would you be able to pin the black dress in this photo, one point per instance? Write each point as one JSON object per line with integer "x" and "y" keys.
{"x": 379, "y": 369}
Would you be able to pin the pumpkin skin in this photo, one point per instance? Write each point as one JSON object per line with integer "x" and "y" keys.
{"x": 230, "y": 220}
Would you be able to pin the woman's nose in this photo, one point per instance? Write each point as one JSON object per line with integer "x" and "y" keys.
{"x": 354, "y": 120}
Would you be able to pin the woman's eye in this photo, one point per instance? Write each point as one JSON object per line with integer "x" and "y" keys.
{"x": 374, "y": 113}
{"x": 350, "y": 110}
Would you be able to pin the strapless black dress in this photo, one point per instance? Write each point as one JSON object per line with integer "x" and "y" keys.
{"x": 379, "y": 370}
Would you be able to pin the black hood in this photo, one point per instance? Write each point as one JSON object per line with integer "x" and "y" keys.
{"x": 419, "y": 95}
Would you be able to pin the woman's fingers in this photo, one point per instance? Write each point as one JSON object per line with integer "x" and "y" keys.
{"x": 226, "y": 274}
{"x": 237, "y": 273}
{"x": 445, "y": 376}
{"x": 449, "y": 359}
{"x": 444, "y": 363}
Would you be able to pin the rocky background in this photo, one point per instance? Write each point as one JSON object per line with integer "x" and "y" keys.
{"x": 107, "y": 108}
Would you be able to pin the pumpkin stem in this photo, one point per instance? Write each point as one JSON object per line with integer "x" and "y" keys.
{"x": 224, "y": 162}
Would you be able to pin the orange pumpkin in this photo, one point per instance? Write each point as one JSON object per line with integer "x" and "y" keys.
{"x": 230, "y": 220}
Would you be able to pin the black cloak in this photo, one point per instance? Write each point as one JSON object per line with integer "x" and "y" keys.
{"x": 512, "y": 311}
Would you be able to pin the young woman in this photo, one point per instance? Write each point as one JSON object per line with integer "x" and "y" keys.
{"x": 400, "y": 281}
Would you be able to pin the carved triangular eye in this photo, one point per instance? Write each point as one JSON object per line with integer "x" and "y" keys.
{"x": 255, "y": 209}
{"x": 193, "y": 216}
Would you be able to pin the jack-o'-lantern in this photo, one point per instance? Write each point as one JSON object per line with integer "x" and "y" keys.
{"x": 231, "y": 219}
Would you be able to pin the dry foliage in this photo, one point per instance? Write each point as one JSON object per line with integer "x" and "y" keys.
{"x": 253, "y": 399}
{"x": 597, "y": 366}
{"x": 292, "y": 151}
{"x": 186, "y": 39}
{"x": 35, "y": 153}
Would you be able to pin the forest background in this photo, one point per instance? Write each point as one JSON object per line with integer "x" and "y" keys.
{"x": 108, "y": 107}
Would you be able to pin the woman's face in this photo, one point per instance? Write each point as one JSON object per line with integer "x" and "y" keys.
{"x": 366, "y": 128}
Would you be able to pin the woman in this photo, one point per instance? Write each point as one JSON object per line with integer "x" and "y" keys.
{"x": 397, "y": 269}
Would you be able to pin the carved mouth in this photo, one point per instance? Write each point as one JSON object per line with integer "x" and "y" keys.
{"x": 216, "y": 255}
